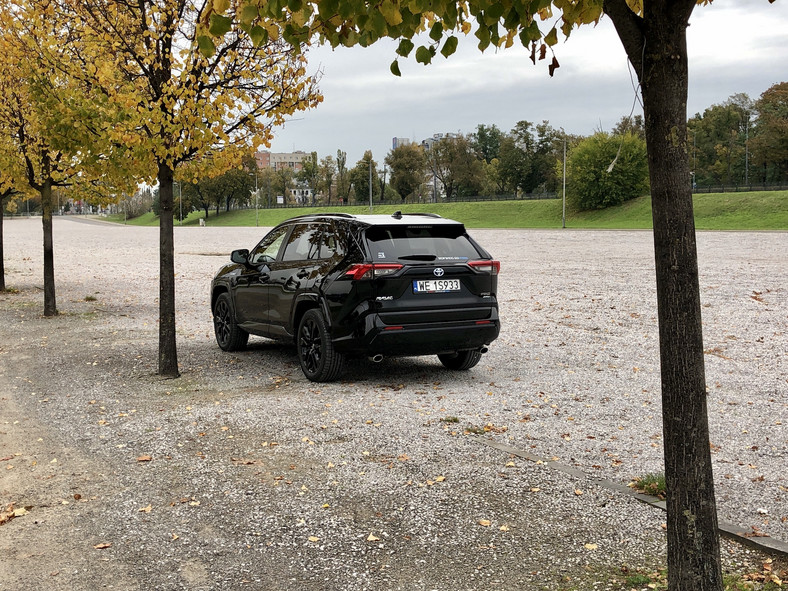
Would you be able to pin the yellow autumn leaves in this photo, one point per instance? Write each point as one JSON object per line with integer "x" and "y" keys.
{"x": 128, "y": 79}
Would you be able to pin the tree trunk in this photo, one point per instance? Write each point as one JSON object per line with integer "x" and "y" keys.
{"x": 168, "y": 354}
{"x": 656, "y": 46}
{"x": 2, "y": 253}
{"x": 50, "y": 305}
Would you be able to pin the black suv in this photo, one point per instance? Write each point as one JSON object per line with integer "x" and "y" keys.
{"x": 342, "y": 285}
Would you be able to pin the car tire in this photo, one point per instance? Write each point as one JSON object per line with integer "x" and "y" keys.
{"x": 320, "y": 362}
{"x": 460, "y": 360}
{"x": 229, "y": 336}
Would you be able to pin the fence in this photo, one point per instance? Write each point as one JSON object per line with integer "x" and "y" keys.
{"x": 738, "y": 188}
{"x": 424, "y": 201}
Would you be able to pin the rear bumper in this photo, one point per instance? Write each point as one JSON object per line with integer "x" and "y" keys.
{"x": 420, "y": 339}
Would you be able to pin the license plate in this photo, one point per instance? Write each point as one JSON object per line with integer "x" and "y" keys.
{"x": 436, "y": 285}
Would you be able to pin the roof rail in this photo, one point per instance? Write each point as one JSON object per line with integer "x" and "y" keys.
{"x": 324, "y": 214}
{"x": 397, "y": 215}
{"x": 426, "y": 215}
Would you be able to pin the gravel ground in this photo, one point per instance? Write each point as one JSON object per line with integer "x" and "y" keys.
{"x": 244, "y": 475}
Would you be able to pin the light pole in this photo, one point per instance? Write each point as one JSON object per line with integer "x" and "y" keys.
{"x": 563, "y": 206}
{"x": 747, "y": 150}
{"x": 180, "y": 203}
{"x": 256, "y": 195}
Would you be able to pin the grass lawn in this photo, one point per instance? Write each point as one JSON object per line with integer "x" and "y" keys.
{"x": 759, "y": 210}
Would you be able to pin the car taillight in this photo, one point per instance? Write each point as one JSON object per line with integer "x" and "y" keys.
{"x": 491, "y": 267}
{"x": 370, "y": 271}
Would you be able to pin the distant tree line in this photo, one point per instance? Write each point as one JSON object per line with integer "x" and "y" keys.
{"x": 739, "y": 142}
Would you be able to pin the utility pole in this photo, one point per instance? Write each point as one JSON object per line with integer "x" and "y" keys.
{"x": 747, "y": 150}
{"x": 563, "y": 207}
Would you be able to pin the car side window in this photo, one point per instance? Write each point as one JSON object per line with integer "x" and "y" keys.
{"x": 330, "y": 243}
{"x": 304, "y": 243}
{"x": 268, "y": 249}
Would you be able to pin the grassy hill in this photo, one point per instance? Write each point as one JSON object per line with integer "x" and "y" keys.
{"x": 760, "y": 210}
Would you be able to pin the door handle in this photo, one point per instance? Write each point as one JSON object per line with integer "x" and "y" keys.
{"x": 302, "y": 274}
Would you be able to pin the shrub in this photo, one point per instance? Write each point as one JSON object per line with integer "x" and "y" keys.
{"x": 593, "y": 184}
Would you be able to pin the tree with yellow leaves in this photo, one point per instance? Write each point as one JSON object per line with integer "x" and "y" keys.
{"x": 173, "y": 97}
{"x": 42, "y": 147}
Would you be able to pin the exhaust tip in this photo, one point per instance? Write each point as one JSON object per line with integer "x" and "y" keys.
{"x": 483, "y": 350}
{"x": 376, "y": 358}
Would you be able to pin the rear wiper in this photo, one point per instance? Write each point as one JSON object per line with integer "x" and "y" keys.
{"x": 418, "y": 257}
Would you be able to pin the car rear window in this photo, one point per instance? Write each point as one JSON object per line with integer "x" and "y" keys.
{"x": 420, "y": 242}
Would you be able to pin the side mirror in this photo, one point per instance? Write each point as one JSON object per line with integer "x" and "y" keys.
{"x": 240, "y": 257}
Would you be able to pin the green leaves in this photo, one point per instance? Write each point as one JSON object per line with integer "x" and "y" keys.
{"x": 248, "y": 13}
{"x": 424, "y": 54}
{"x": 220, "y": 25}
{"x": 391, "y": 13}
{"x": 206, "y": 45}
{"x": 450, "y": 46}
{"x": 258, "y": 35}
{"x": 395, "y": 69}
{"x": 405, "y": 47}
{"x": 436, "y": 32}
{"x": 551, "y": 38}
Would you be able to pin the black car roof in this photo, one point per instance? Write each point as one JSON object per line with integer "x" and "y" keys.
{"x": 396, "y": 219}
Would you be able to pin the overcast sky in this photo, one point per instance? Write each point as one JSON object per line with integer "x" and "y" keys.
{"x": 735, "y": 46}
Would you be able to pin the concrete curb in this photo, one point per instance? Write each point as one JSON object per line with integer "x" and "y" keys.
{"x": 765, "y": 544}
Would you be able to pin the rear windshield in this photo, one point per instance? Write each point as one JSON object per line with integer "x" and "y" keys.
{"x": 444, "y": 243}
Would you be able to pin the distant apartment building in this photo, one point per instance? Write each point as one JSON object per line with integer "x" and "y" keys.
{"x": 438, "y": 137}
{"x": 280, "y": 160}
{"x": 399, "y": 141}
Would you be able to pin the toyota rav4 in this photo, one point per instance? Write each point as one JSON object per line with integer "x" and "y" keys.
{"x": 339, "y": 285}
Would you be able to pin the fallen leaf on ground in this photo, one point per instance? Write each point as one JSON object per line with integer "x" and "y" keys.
{"x": 372, "y": 538}
{"x": 484, "y": 522}
{"x": 147, "y": 509}
{"x": 313, "y": 539}
{"x": 590, "y": 546}
{"x": 102, "y": 545}
{"x": 144, "y": 459}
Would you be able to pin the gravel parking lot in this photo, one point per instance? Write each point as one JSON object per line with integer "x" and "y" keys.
{"x": 244, "y": 475}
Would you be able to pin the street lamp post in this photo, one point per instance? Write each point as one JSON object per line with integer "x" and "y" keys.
{"x": 563, "y": 205}
{"x": 180, "y": 203}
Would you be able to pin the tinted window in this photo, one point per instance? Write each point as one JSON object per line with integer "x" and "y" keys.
{"x": 419, "y": 242}
{"x": 266, "y": 251}
{"x": 331, "y": 245}
{"x": 304, "y": 243}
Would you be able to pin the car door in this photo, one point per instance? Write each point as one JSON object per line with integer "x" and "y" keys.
{"x": 295, "y": 272}
{"x": 254, "y": 282}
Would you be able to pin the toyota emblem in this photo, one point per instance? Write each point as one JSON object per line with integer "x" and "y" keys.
{"x": 438, "y": 272}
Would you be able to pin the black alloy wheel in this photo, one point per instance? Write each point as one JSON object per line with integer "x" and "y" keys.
{"x": 320, "y": 362}
{"x": 229, "y": 335}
